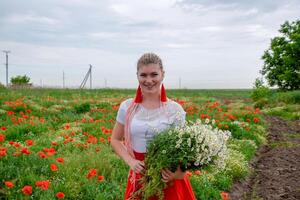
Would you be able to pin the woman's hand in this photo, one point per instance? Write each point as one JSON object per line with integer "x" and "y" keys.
{"x": 168, "y": 176}
{"x": 137, "y": 166}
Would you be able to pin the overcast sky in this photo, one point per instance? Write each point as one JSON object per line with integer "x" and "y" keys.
{"x": 203, "y": 43}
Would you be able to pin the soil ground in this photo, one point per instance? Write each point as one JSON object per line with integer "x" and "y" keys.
{"x": 276, "y": 166}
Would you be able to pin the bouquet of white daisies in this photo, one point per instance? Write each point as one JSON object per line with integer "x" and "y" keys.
{"x": 192, "y": 146}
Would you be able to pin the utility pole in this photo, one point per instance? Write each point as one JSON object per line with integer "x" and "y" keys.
{"x": 63, "y": 79}
{"x": 90, "y": 76}
{"x": 6, "y": 52}
{"x": 179, "y": 82}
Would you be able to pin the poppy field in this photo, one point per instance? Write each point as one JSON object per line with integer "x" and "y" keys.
{"x": 55, "y": 144}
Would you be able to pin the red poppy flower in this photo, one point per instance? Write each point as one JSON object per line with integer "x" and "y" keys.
{"x": 10, "y": 113}
{"x": 224, "y": 195}
{"x": 92, "y": 173}
{"x": 256, "y": 120}
{"x": 25, "y": 151}
{"x": 3, "y": 128}
{"x": 61, "y": 160}
{"x": 2, "y": 137}
{"x": 27, "y": 190}
{"x": 53, "y": 167}
{"x": 198, "y": 172}
{"x": 9, "y": 184}
{"x": 29, "y": 142}
{"x": 100, "y": 178}
{"x": 60, "y": 195}
{"x": 17, "y": 153}
{"x": 67, "y": 126}
{"x": 53, "y": 143}
{"x": 102, "y": 139}
{"x": 44, "y": 185}
{"x": 17, "y": 145}
{"x": 3, "y": 153}
{"x": 49, "y": 151}
{"x": 42, "y": 154}
{"x": 188, "y": 173}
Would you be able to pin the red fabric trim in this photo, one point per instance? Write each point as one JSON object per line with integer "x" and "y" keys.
{"x": 138, "y": 96}
{"x": 163, "y": 94}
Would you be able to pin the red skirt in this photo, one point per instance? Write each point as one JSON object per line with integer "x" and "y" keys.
{"x": 179, "y": 189}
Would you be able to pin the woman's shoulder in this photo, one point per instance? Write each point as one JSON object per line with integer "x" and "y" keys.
{"x": 174, "y": 106}
{"x": 125, "y": 104}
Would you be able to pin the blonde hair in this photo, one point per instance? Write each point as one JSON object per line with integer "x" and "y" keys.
{"x": 149, "y": 58}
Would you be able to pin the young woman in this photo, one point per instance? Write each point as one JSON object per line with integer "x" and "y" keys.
{"x": 139, "y": 119}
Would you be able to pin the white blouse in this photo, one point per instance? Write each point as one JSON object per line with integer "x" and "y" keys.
{"x": 146, "y": 123}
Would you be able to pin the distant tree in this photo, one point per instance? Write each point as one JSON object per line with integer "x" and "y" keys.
{"x": 1, "y": 85}
{"x": 20, "y": 80}
{"x": 282, "y": 60}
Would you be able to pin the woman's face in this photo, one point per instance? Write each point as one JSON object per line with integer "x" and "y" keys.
{"x": 150, "y": 77}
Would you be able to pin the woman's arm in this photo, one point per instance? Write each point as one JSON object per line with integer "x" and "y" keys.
{"x": 117, "y": 144}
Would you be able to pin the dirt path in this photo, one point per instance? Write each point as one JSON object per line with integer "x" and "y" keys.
{"x": 276, "y": 166}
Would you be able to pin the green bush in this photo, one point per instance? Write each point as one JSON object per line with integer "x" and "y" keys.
{"x": 261, "y": 92}
{"x": 261, "y": 103}
{"x": 289, "y": 97}
{"x": 236, "y": 165}
{"x": 82, "y": 108}
{"x": 203, "y": 188}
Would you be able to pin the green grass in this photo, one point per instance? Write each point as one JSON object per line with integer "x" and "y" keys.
{"x": 71, "y": 116}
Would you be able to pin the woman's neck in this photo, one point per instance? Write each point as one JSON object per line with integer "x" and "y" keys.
{"x": 151, "y": 101}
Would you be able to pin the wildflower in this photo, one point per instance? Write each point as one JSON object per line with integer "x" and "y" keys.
{"x": 49, "y": 151}
{"x": 27, "y": 190}
{"x": 224, "y": 195}
{"x": 92, "y": 173}
{"x": 9, "y": 184}
{"x": 42, "y": 154}
{"x": 3, "y": 128}
{"x": 67, "y": 126}
{"x": 17, "y": 145}
{"x": 53, "y": 143}
{"x": 44, "y": 185}
{"x": 25, "y": 151}
{"x": 3, "y": 153}
{"x": 102, "y": 139}
{"x": 2, "y": 137}
{"x": 198, "y": 172}
{"x": 29, "y": 142}
{"x": 60, "y": 160}
{"x": 100, "y": 178}
{"x": 17, "y": 153}
{"x": 188, "y": 173}
{"x": 60, "y": 195}
{"x": 53, "y": 167}
{"x": 256, "y": 120}
{"x": 10, "y": 113}
{"x": 92, "y": 139}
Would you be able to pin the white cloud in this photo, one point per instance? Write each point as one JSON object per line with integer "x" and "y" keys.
{"x": 211, "y": 43}
{"x": 31, "y": 18}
